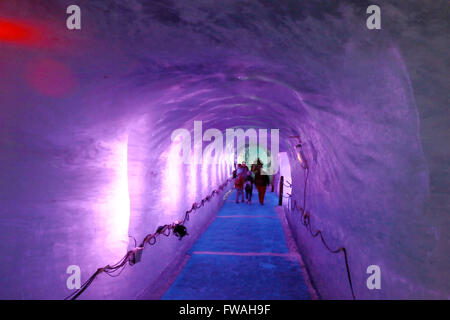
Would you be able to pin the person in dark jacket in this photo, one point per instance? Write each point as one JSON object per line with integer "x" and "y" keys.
{"x": 261, "y": 181}
{"x": 248, "y": 187}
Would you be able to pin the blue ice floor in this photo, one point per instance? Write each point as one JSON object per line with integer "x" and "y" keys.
{"x": 242, "y": 255}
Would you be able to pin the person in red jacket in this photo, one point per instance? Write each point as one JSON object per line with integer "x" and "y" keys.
{"x": 261, "y": 181}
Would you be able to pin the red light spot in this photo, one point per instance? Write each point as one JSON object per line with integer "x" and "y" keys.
{"x": 18, "y": 32}
{"x": 51, "y": 78}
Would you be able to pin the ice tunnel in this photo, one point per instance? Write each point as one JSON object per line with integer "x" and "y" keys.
{"x": 87, "y": 163}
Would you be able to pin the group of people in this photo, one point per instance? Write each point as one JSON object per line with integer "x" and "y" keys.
{"x": 244, "y": 179}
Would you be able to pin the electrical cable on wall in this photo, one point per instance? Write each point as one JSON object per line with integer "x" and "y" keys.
{"x": 134, "y": 256}
{"x": 305, "y": 217}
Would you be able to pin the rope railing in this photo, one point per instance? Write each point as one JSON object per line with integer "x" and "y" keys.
{"x": 305, "y": 217}
{"x": 133, "y": 256}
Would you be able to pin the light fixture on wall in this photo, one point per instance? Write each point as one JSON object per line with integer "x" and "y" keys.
{"x": 180, "y": 231}
{"x": 300, "y": 152}
{"x": 301, "y": 156}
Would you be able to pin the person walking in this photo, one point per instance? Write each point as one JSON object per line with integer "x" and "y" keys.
{"x": 244, "y": 167}
{"x": 248, "y": 187}
{"x": 239, "y": 184}
{"x": 261, "y": 181}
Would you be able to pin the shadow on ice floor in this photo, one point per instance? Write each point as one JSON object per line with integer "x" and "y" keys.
{"x": 242, "y": 255}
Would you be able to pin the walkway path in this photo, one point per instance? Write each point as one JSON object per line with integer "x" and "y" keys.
{"x": 242, "y": 255}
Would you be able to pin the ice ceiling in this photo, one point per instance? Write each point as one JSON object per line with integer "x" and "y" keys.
{"x": 87, "y": 115}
